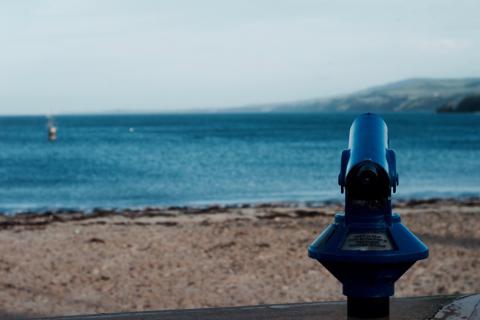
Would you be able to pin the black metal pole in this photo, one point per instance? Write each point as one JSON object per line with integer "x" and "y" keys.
{"x": 368, "y": 308}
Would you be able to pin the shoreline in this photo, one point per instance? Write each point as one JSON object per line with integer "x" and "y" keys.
{"x": 67, "y": 214}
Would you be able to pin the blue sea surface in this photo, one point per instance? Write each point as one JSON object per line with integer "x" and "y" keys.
{"x": 220, "y": 158}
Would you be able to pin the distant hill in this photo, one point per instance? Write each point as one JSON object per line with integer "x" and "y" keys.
{"x": 414, "y": 95}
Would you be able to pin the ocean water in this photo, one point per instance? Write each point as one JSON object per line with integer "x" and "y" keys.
{"x": 220, "y": 158}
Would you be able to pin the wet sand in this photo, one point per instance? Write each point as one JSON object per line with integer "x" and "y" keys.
{"x": 72, "y": 263}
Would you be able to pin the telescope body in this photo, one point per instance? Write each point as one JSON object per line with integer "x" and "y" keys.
{"x": 367, "y": 248}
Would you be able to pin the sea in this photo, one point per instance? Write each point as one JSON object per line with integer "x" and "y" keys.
{"x": 158, "y": 160}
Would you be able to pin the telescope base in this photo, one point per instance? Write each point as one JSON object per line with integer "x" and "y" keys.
{"x": 367, "y": 308}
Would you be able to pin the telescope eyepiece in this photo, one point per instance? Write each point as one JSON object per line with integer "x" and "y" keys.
{"x": 368, "y": 181}
{"x": 367, "y": 175}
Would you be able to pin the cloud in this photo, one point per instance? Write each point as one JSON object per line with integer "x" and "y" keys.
{"x": 439, "y": 45}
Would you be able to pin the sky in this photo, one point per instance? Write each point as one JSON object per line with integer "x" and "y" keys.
{"x": 170, "y": 55}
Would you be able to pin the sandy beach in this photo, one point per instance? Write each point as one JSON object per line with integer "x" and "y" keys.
{"x": 168, "y": 258}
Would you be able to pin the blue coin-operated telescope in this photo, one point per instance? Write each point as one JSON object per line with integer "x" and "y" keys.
{"x": 367, "y": 248}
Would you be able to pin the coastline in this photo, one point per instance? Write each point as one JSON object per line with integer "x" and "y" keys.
{"x": 59, "y": 263}
{"x": 70, "y": 214}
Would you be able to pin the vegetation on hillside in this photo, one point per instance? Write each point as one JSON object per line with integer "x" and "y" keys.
{"x": 467, "y": 104}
